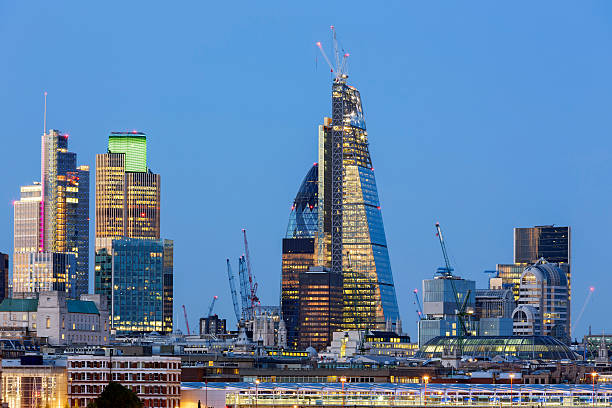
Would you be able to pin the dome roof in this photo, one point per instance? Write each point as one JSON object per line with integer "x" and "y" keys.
{"x": 303, "y": 220}
{"x": 549, "y": 273}
{"x": 523, "y": 347}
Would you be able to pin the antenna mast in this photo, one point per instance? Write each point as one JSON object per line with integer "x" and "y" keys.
{"x": 45, "y": 116}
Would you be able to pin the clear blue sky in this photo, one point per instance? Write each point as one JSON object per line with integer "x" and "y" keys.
{"x": 481, "y": 115}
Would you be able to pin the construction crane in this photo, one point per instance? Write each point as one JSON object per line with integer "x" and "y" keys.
{"x": 340, "y": 68}
{"x": 186, "y": 321}
{"x": 447, "y": 273}
{"x": 212, "y": 305}
{"x": 244, "y": 286}
{"x": 230, "y": 276}
{"x": 419, "y": 309}
{"x": 253, "y": 299}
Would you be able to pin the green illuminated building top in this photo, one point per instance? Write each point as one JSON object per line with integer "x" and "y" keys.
{"x": 134, "y": 146}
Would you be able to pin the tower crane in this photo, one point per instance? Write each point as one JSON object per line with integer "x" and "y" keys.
{"x": 244, "y": 286}
{"x": 212, "y": 305}
{"x": 230, "y": 276}
{"x": 419, "y": 309}
{"x": 253, "y": 299}
{"x": 186, "y": 321}
{"x": 447, "y": 273}
{"x": 340, "y": 68}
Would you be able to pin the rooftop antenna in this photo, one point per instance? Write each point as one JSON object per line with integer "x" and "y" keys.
{"x": 45, "y": 116}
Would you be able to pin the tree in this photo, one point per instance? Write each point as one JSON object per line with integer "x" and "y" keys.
{"x": 116, "y": 395}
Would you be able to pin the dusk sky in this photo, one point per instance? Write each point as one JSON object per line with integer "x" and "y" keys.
{"x": 481, "y": 115}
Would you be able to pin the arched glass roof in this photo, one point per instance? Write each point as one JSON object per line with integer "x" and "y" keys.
{"x": 523, "y": 347}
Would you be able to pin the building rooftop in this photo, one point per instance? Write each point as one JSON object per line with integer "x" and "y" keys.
{"x": 19, "y": 305}
{"x": 522, "y": 347}
{"x": 81, "y": 306}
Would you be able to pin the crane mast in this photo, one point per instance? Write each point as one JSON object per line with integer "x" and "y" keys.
{"x": 230, "y": 276}
{"x": 212, "y": 305}
{"x": 447, "y": 273}
{"x": 253, "y": 299}
{"x": 186, "y": 321}
{"x": 244, "y": 286}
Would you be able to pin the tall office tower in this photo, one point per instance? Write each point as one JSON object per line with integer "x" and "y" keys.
{"x": 320, "y": 311}
{"x": 298, "y": 251}
{"x": 28, "y": 225}
{"x": 43, "y": 271}
{"x": 138, "y": 269}
{"x": 543, "y": 305}
{"x": 549, "y": 242}
{"x": 65, "y": 207}
{"x": 168, "y": 287}
{"x": 127, "y": 193}
{"x": 351, "y": 236}
{"x": 4, "y": 275}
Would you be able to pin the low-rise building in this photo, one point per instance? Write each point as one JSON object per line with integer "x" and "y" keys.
{"x": 31, "y": 382}
{"x": 155, "y": 379}
{"x": 54, "y": 319}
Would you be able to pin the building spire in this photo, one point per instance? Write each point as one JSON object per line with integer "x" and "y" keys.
{"x": 45, "y": 116}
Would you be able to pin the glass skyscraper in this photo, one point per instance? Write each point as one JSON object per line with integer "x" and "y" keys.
{"x": 134, "y": 280}
{"x": 351, "y": 233}
{"x": 349, "y": 237}
{"x": 52, "y": 220}
{"x": 134, "y": 267}
{"x": 128, "y": 194}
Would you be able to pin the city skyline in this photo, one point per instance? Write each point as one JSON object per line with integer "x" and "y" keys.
{"x": 428, "y": 170}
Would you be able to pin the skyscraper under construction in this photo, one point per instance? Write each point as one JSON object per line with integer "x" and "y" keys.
{"x": 349, "y": 238}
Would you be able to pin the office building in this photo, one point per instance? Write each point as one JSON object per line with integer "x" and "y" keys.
{"x": 320, "y": 307}
{"x": 132, "y": 278}
{"x": 28, "y": 225}
{"x": 491, "y": 303}
{"x": 43, "y": 271}
{"x": 298, "y": 251}
{"x": 212, "y": 325}
{"x": 543, "y": 305}
{"x": 338, "y": 224}
{"x": 508, "y": 277}
{"x": 4, "y": 276}
{"x": 34, "y": 382}
{"x": 552, "y": 243}
{"x": 54, "y": 319}
{"x": 155, "y": 379}
{"x": 443, "y": 296}
{"x": 127, "y": 192}
{"x": 351, "y": 236}
{"x": 65, "y": 206}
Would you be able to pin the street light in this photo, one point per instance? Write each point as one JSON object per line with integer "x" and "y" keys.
{"x": 594, "y": 375}
{"x": 511, "y": 378}
{"x": 256, "y": 391}
{"x": 426, "y": 379}
{"x": 342, "y": 381}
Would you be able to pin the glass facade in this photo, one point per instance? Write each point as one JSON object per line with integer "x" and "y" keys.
{"x": 128, "y": 196}
{"x": 134, "y": 146}
{"x": 320, "y": 311}
{"x": 298, "y": 251}
{"x": 368, "y": 290}
{"x": 523, "y": 347}
{"x": 43, "y": 271}
{"x": 168, "y": 288}
{"x": 137, "y": 280}
{"x": 4, "y": 275}
{"x": 34, "y": 386}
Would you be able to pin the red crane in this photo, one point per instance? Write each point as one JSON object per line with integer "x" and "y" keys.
{"x": 186, "y": 321}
